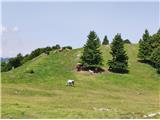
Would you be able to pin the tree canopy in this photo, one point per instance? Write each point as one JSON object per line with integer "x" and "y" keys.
{"x": 105, "y": 41}
{"x": 127, "y": 41}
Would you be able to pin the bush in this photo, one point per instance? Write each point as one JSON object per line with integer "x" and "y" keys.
{"x": 15, "y": 62}
{"x": 67, "y": 47}
{"x": 46, "y": 52}
{"x": 4, "y": 67}
{"x": 25, "y": 58}
{"x": 47, "y": 49}
{"x": 30, "y": 71}
{"x": 56, "y": 47}
{"x": 36, "y": 53}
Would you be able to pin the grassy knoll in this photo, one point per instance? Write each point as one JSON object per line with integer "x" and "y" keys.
{"x": 43, "y": 94}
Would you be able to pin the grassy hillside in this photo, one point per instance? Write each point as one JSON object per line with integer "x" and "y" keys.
{"x": 43, "y": 94}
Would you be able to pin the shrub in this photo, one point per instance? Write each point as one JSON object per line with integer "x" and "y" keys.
{"x": 15, "y": 62}
{"x": 56, "y": 47}
{"x": 31, "y": 71}
{"x": 4, "y": 67}
{"x": 67, "y": 47}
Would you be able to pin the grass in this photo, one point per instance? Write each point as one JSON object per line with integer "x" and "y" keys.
{"x": 43, "y": 94}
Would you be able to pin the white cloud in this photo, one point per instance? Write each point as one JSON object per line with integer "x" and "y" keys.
{"x": 4, "y": 29}
{"x": 15, "y": 29}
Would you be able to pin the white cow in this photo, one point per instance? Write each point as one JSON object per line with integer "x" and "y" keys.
{"x": 70, "y": 83}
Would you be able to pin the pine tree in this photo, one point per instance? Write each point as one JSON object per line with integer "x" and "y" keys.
{"x": 155, "y": 58}
{"x": 149, "y": 49}
{"x": 91, "y": 57}
{"x": 145, "y": 46}
{"x": 154, "y": 41}
{"x": 126, "y": 41}
{"x": 119, "y": 62}
{"x": 105, "y": 40}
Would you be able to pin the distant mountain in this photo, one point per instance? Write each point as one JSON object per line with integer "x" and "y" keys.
{"x": 4, "y": 59}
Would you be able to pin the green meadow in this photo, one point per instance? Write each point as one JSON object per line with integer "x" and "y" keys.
{"x": 44, "y": 93}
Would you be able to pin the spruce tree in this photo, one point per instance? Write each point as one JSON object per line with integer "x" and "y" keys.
{"x": 155, "y": 58}
{"x": 119, "y": 62}
{"x": 149, "y": 49}
{"x": 91, "y": 57}
{"x": 154, "y": 41}
{"x": 126, "y": 41}
{"x": 105, "y": 40}
{"x": 145, "y": 46}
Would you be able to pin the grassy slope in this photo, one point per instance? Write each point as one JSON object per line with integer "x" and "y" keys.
{"x": 44, "y": 94}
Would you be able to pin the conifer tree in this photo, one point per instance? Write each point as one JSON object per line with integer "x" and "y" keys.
{"x": 126, "y": 41}
{"x": 149, "y": 49}
{"x": 105, "y": 40}
{"x": 145, "y": 46}
{"x": 155, "y": 58}
{"x": 119, "y": 62}
{"x": 154, "y": 41}
{"x": 91, "y": 57}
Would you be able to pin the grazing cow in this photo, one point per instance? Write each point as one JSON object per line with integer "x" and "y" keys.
{"x": 70, "y": 83}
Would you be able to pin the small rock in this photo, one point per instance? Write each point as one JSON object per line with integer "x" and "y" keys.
{"x": 100, "y": 109}
{"x": 94, "y": 108}
{"x": 151, "y": 115}
{"x": 103, "y": 109}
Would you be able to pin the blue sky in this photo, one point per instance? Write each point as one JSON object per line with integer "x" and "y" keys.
{"x": 29, "y": 25}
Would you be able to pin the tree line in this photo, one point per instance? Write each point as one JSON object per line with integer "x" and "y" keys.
{"x": 92, "y": 57}
{"x": 20, "y": 59}
{"x": 149, "y": 51}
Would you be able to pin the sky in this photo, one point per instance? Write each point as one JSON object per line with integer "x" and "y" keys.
{"x": 26, "y": 26}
